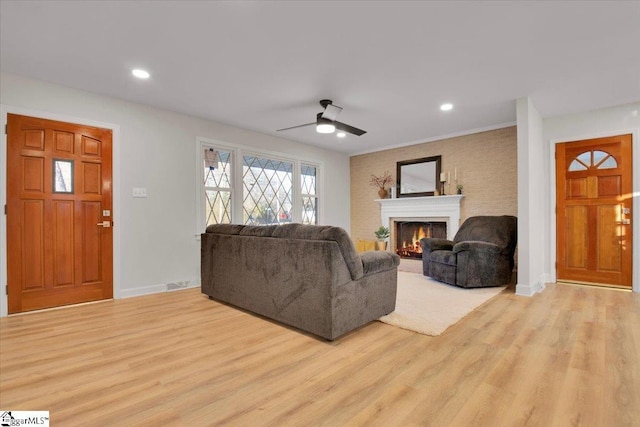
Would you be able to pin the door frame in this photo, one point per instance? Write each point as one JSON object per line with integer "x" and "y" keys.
{"x": 635, "y": 174}
{"x": 115, "y": 147}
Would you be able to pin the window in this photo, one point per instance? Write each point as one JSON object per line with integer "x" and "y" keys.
{"x": 62, "y": 176}
{"x": 241, "y": 186}
{"x": 593, "y": 160}
{"x": 217, "y": 186}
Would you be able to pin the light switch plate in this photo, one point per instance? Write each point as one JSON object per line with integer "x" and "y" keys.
{"x": 139, "y": 192}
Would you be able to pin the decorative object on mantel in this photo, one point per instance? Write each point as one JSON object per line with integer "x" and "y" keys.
{"x": 459, "y": 187}
{"x": 418, "y": 177}
{"x": 443, "y": 181}
{"x": 382, "y": 182}
{"x": 382, "y": 233}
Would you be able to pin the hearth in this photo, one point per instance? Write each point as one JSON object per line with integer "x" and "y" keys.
{"x": 409, "y": 233}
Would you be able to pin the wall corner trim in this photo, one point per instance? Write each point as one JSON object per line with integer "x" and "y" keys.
{"x": 524, "y": 290}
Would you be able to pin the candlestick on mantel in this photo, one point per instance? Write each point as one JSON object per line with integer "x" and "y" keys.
{"x": 443, "y": 177}
{"x": 455, "y": 174}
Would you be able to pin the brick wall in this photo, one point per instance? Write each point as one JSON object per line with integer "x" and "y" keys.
{"x": 486, "y": 163}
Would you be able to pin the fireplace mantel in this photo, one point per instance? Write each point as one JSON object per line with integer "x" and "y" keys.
{"x": 446, "y": 208}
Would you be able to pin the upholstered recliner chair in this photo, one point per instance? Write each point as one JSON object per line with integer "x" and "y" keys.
{"x": 480, "y": 255}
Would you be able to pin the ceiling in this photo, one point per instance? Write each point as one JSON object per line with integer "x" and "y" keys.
{"x": 265, "y": 65}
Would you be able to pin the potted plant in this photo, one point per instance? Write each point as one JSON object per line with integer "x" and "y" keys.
{"x": 382, "y": 234}
{"x": 382, "y": 182}
{"x": 459, "y": 187}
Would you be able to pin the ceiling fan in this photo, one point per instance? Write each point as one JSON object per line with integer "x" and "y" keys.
{"x": 326, "y": 121}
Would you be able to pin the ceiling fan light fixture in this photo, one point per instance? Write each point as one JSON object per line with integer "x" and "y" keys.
{"x": 446, "y": 107}
{"x": 324, "y": 125}
{"x": 341, "y": 134}
{"x": 325, "y": 128}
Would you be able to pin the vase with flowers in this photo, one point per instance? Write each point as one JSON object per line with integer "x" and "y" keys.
{"x": 382, "y": 182}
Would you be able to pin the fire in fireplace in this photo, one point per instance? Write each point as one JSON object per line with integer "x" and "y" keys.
{"x": 409, "y": 233}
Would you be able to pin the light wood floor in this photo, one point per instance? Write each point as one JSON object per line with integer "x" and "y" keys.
{"x": 568, "y": 356}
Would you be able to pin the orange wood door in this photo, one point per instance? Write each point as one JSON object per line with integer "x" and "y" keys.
{"x": 593, "y": 217}
{"x": 58, "y": 192}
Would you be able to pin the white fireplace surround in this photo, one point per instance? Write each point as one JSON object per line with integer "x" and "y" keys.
{"x": 431, "y": 208}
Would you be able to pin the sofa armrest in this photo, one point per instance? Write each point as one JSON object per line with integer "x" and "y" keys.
{"x": 430, "y": 244}
{"x": 477, "y": 246}
{"x": 376, "y": 261}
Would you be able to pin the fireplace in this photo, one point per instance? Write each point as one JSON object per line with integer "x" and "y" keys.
{"x": 409, "y": 233}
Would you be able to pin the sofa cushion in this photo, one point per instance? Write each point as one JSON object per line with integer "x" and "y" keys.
{"x": 376, "y": 261}
{"x": 325, "y": 232}
{"x": 258, "y": 230}
{"x": 225, "y": 228}
{"x": 444, "y": 257}
{"x": 499, "y": 230}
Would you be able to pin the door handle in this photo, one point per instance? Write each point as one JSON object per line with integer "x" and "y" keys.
{"x": 105, "y": 224}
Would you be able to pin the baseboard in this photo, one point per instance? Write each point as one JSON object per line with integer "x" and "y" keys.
{"x": 157, "y": 289}
{"x": 527, "y": 290}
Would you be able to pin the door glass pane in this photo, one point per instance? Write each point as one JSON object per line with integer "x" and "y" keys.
{"x": 598, "y": 156}
{"x": 62, "y": 176}
{"x": 585, "y": 158}
{"x": 608, "y": 163}
{"x": 577, "y": 166}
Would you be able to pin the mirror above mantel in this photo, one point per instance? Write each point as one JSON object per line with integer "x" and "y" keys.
{"x": 418, "y": 177}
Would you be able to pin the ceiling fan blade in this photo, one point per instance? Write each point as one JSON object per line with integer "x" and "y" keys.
{"x": 331, "y": 112}
{"x": 299, "y": 126}
{"x": 349, "y": 129}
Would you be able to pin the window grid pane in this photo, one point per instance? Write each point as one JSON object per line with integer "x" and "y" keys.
{"x": 309, "y": 199}
{"x": 220, "y": 177}
{"x": 267, "y": 191}
{"x": 309, "y": 210}
{"x": 218, "y": 208}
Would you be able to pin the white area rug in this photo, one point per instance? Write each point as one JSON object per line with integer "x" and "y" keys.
{"x": 429, "y": 307}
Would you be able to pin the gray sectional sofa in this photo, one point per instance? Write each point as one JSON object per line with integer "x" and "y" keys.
{"x": 306, "y": 276}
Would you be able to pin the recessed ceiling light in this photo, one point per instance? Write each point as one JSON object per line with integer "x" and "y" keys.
{"x": 446, "y": 107}
{"x": 341, "y": 134}
{"x": 141, "y": 74}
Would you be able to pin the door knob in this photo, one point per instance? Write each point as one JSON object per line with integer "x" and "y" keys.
{"x": 105, "y": 224}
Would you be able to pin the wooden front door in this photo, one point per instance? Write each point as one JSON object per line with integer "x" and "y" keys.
{"x": 59, "y": 213}
{"x": 593, "y": 200}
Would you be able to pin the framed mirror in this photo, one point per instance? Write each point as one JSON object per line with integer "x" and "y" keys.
{"x": 418, "y": 177}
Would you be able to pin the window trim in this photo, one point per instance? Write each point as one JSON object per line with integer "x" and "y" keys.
{"x": 237, "y": 157}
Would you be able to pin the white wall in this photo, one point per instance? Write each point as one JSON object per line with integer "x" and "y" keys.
{"x": 617, "y": 120}
{"x": 531, "y": 207}
{"x": 154, "y": 237}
